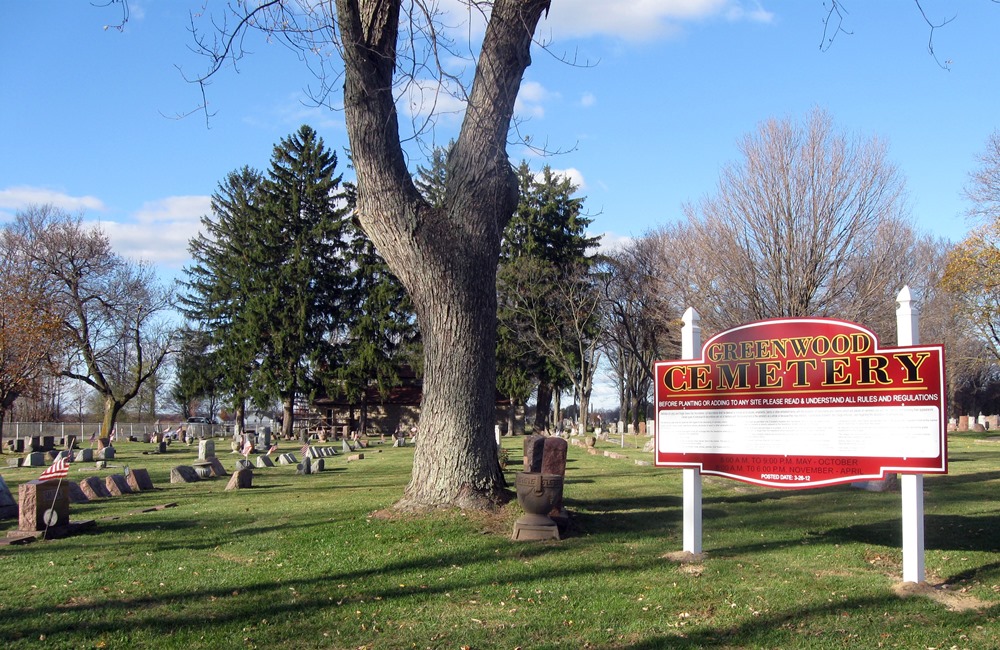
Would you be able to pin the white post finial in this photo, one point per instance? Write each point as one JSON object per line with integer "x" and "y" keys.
{"x": 690, "y": 334}
{"x": 907, "y": 317}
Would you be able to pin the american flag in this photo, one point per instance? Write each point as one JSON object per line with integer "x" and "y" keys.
{"x": 247, "y": 448}
{"x": 58, "y": 469}
{"x": 305, "y": 449}
{"x": 273, "y": 449}
{"x": 93, "y": 436}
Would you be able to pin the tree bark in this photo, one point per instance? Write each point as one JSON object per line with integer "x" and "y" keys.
{"x": 446, "y": 257}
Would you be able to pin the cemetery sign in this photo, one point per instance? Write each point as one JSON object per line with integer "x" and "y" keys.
{"x": 802, "y": 402}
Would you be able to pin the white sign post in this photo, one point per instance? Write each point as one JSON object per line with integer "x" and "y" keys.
{"x": 691, "y": 477}
{"x": 911, "y": 485}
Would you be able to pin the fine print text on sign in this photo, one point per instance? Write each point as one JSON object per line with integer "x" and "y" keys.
{"x": 801, "y": 403}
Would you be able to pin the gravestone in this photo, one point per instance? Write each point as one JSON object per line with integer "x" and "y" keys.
{"x": 139, "y": 481}
{"x": 287, "y": 459}
{"x": 241, "y": 479}
{"x": 554, "y": 462}
{"x": 206, "y": 449}
{"x": 318, "y": 465}
{"x": 642, "y": 427}
{"x": 533, "y": 447}
{"x": 183, "y": 474}
{"x": 216, "y": 465}
{"x": 106, "y": 453}
{"x": 264, "y": 461}
{"x": 345, "y": 431}
{"x": 85, "y": 455}
{"x": 117, "y": 485}
{"x": 649, "y": 427}
{"x": 17, "y": 445}
{"x": 71, "y": 441}
{"x": 8, "y": 506}
{"x": 553, "y": 459}
{"x": 347, "y": 446}
{"x": 15, "y": 462}
{"x": 94, "y": 488}
{"x": 305, "y": 467}
{"x": 34, "y": 459}
{"x": 102, "y": 443}
{"x": 264, "y": 438}
{"x": 243, "y": 463}
{"x": 76, "y": 494}
{"x": 42, "y": 504}
{"x": 354, "y": 457}
{"x": 621, "y": 427}
{"x": 161, "y": 448}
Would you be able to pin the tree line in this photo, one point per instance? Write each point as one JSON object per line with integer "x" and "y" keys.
{"x": 287, "y": 297}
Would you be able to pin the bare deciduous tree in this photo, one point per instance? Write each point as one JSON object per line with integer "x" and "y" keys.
{"x": 810, "y": 222}
{"x": 112, "y": 309}
{"x": 641, "y": 325}
{"x": 29, "y": 326}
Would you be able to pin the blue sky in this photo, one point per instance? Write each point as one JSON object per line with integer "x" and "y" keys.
{"x": 89, "y": 115}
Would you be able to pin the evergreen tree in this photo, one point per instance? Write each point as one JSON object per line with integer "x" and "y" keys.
{"x": 300, "y": 258}
{"x": 431, "y": 182}
{"x": 545, "y": 243}
{"x": 382, "y": 333}
{"x": 220, "y": 283}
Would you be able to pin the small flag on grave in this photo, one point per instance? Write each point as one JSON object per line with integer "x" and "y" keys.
{"x": 93, "y": 436}
{"x": 58, "y": 469}
{"x": 305, "y": 449}
{"x": 273, "y": 449}
{"x": 247, "y": 448}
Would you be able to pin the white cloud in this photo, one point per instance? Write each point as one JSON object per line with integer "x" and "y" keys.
{"x": 574, "y": 175}
{"x": 587, "y": 100}
{"x": 160, "y": 231}
{"x": 611, "y": 241}
{"x": 422, "y": 97}
{"x": 530, "y": 98}
{"x": 16, "y": 198}
{"x": 639, "y": 20}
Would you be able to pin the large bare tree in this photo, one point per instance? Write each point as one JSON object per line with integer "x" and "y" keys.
{"x": 112, "y": 309}
{"x": 446, "y": 255}
{"x": 809, "y": 222}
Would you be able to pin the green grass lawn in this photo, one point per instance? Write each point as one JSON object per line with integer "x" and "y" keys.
{"x": 316, "y": 561}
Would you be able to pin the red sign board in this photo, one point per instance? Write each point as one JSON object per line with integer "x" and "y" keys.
{"x": 803, "y": 402}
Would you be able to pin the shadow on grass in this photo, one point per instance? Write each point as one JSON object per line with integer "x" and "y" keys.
{"x": 941, "y": 533}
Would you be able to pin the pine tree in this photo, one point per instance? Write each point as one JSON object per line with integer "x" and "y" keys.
{"x": 220, "y": 284}
{"x": 382, "y": 334}
{"x": 300, "y": 256}
{"x": 545, "y": 243}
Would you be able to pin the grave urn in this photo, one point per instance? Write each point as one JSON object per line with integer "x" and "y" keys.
{"x": 537, "y": 494}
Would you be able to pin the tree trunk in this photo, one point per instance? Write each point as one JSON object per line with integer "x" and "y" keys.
{"x": 240, "y": 417}
{"x": 112, "y": 408}
{"x": 511, "y": 416}
{"x": 543, "y": 406}
{"x": 445, "y": 257}
{"x": 288, "y": 418}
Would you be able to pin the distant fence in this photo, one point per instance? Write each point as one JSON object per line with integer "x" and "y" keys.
{"x": 16, "y": 430}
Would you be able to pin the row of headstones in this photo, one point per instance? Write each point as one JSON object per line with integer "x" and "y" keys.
{"x": 42, "y": 459}
{"x": 973, "y": 423}
{"x": 37, "y": 497}
{"x": 49, "y": 443}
